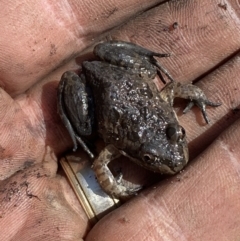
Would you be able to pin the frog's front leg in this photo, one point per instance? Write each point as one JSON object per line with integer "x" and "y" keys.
{"x": 190, "y": 92}
{"x": 105, "y": 178}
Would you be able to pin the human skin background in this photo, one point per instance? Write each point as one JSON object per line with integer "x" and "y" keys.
{"x": 40, "y": 40}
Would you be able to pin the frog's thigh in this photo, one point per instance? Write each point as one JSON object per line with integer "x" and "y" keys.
{"x": 73, "y": 87}
{"x": 61, "y": 109}
{"x": 105, "y": 176}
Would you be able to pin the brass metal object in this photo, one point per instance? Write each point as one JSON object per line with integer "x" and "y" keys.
{"x": 95, "y": 202}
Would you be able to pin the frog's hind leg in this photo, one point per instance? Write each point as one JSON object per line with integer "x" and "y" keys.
{"x": 111, "y": 185}
{"x": 132, "y": 56}
{"x": 101, "y": 48}
{"x": 162, "y": 69}
{"x": 70, "y": 85}
{"x": 190, "y": 92}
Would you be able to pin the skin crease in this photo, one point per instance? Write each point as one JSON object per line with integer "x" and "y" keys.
{"x": 39, "y": 42}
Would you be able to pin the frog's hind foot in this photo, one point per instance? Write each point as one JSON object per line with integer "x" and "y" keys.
{"x": 128, "y": 192}
{"x": 111, "y": 185}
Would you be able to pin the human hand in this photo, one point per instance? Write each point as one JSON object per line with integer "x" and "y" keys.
{"x": 39, "y": 42}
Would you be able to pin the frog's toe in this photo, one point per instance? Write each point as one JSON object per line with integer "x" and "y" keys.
{"x": 134, "y": 191}
{"x": 210, "y": 103}
{"x": 127, "y": 192}
{"x": 188, "y": 107}
{"x": 202, "y": 105}
{"x": 121, "y": 191}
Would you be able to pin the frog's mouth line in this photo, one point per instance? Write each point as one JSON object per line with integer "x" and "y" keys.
{"x": 162, "y": 168}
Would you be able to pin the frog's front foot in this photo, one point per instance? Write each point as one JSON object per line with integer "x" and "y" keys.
{"x": 190, "y": 92}
{"x": 111, "y": 185}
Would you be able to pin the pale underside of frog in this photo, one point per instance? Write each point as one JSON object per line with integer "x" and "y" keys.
{"x": 116, "y": 96}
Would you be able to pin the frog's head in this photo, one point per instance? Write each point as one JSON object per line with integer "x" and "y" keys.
{"x": 167, "y": 151}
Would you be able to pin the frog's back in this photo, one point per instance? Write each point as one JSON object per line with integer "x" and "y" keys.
{"x": 127, "y": 107}
{"x": 113, "y": 85}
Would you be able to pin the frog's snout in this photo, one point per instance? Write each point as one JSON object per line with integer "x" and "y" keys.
{"x": 170, "y": 161}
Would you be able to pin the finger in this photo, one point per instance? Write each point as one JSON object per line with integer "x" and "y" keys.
{"x": 197, "y": 45}
{"x": 38, "y": 37}
{"x": 18, "y": 140}
{"x": 38, "y": 205}
{"x": 200, "y": 204}
{"x": 30, "y": 125}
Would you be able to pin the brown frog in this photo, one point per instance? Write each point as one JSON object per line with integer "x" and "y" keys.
{"x": 116, "y": 96}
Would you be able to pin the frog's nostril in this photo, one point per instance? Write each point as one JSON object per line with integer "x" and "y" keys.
{"x": 175, "y": 132}
{"x": 183, "y": 132}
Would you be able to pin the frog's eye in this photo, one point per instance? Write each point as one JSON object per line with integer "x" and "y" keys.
{"x": 148, "y": 158}
{"x": 175, "y": 132}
